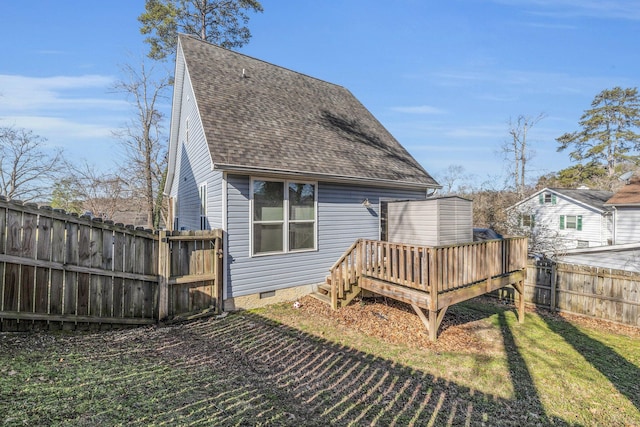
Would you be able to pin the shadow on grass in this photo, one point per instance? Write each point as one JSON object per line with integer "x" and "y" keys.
{"x": 624, "y": 375}
{"x": 278, "y": 375}
{"x": 523, "y": 386}
{"x": 248, "y": 370}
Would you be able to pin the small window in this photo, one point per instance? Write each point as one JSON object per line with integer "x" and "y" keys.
{"x": 545, "y": 198}
{"x": 583, "y": 244}
{"x": 203, "y": 206}
{"x": 527, "y": 221}
{"x": 176, "y": 222}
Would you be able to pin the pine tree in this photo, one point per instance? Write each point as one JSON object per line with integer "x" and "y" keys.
{"x": 608, "y": 133}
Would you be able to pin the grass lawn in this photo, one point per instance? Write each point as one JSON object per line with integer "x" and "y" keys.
{"x": 365, "y": 365}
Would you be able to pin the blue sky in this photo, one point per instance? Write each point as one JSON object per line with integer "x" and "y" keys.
{"x": 444, "y": 77}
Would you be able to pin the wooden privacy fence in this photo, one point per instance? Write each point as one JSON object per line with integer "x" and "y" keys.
{"x": 59, "y": 269}
{"x": 602, "y": 293}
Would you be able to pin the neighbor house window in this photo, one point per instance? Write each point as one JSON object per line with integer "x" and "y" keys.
{"x": 202, "y": 191}
{"x": 573, "y": 222}
{"x": 547, "y": 198}
{"x": 284, "y": 216}
{"x": 583, "y": 244}
{"x": 527, "y": 220}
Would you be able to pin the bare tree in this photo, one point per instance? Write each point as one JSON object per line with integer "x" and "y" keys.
{"x": 27, "y": 170}
{"x": 142, "y": 137}
{"x": 517, "y": 149}
{"x": 454, "y": 180}
{"x": 103, "y": 194}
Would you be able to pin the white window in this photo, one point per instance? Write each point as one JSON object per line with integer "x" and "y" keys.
{"x": 176, "y": 222}
{"x": 202, "y": 191}
{"x": 527, "y": 220}
{"x": 583, "y": 244}
{"x": 283, "y": 216}
{"x": 547, "y": 198}
{"x": 573, "y": 222}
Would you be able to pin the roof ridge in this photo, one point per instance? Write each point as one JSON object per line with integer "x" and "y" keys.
{"x": 260, "y": 60}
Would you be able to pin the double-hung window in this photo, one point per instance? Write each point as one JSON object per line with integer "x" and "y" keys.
{"x": 573, "y": 222}
{"x": 283, "y": 216}
{"x": 527, "y": 220}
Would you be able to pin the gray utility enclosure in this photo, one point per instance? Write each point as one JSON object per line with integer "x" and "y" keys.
{"x": 432, "y": 222}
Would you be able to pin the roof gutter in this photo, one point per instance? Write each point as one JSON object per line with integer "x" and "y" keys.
{"x": 249, "y": 170}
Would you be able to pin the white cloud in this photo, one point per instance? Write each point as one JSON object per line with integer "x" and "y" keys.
{"x": 603, "y": 9}
{"x": 59, "y": 93}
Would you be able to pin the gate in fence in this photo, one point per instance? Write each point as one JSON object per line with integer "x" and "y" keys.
{"x": 190, "y": 269}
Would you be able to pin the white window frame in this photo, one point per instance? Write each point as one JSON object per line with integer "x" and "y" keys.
{"x": 286, "y": 220}
{"x": 202, "y": 195}
{"x": 176, "y": 218}
{"x": 527, "y": 220}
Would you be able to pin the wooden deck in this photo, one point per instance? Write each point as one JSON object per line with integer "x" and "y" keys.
{"x": 430, "y": 279}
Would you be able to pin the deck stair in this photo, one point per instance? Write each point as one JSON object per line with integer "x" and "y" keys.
{"x": 430, "y": 279}
{"x": 323, "y": 293}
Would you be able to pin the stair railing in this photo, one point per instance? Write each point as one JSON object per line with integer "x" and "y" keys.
{"x": 345, "y": 272}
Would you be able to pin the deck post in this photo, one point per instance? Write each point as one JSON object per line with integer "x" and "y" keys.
{"x": 519, "y": 287}
{"x": 433, "y": 292}
{"x": 521, "y": 302}
{"x": 433, "y": 325}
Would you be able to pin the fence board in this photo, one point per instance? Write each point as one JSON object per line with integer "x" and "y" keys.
{"x": 602, "y": 293}
{"x": 56, "y": 267}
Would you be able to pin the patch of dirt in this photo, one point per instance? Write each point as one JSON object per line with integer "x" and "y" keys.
{"x": 461, "y": 330}
{"x": 464, "y": 329}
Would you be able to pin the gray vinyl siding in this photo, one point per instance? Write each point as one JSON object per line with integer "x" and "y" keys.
{"x": 627, "y": 225}
{"x": 433, "y": 222}
{"x": 193, "y": 168}
{"x": 341, "y": 220}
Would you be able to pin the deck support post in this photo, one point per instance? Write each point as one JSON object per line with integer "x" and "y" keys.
{"x": 432, "y": 323}
{"x": 519, "y": 287}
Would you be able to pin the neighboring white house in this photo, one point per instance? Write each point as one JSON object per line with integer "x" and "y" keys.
{"x": 557, "y": 219}
{"x": 626, "y": 208}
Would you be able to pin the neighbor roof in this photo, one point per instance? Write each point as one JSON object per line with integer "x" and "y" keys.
{"x": 594, "y": 198}
{"x": 627, "y": 195}
{"x": 261, "y": 117}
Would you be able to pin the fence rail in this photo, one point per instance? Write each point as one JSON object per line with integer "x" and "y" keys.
{"x": 67, "y": 269}
{"x": 603, "y": 293}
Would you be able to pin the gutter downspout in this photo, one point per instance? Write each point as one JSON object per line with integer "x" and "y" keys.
{"x": 614, "y": 222}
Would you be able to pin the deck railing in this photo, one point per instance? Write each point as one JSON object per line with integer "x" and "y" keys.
{"x": 436, "y": 269}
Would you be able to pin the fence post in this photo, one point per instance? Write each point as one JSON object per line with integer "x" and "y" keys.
{"x": 554, "y": 272}
{"x": 163, "y": 276}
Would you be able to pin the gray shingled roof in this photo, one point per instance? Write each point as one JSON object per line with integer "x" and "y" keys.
{"x": 594, "y": 198}
{"x": 275, "y": 119}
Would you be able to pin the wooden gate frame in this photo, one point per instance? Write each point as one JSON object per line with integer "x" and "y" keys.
{"x": 167, "y": 279}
